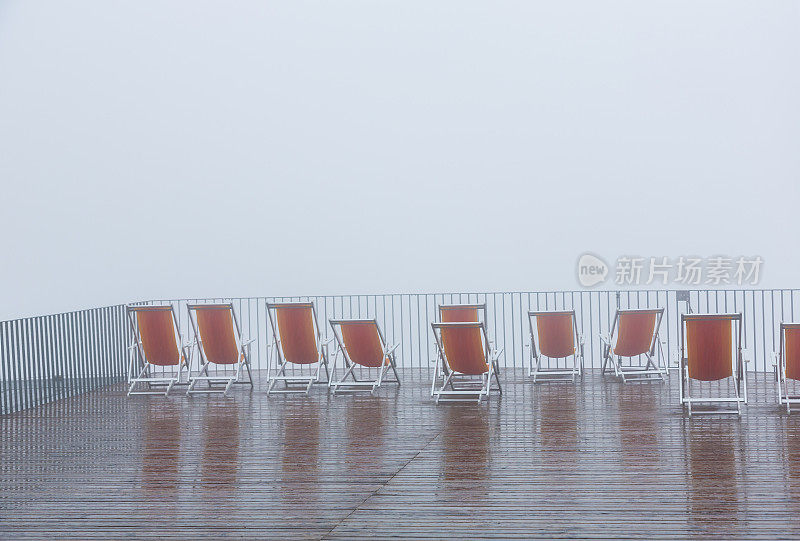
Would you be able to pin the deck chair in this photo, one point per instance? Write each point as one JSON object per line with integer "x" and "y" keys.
{"x": 465, "y": 364}
{"x": 556, "y": 333}
{"x": 220, "y": 344}
{"x": 711, "y": 350}
{"x": 454, "y": 313}
{"x": 297, "y": 345}
{"x": 634, "y": 333}
{"x": 786, "y": 362}
{"x": 360, "y": 343}
{"x": 158, "y": 353}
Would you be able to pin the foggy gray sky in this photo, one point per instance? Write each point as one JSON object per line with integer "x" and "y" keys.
{"x": 173, "y": 149}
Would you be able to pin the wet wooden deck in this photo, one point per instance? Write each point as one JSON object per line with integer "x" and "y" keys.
{"x": 597, "y": 459}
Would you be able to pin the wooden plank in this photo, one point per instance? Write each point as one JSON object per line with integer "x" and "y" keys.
{"x": 596, "y": 459}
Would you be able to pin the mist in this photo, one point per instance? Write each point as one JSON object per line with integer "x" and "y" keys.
{"x": 181, "y": 149}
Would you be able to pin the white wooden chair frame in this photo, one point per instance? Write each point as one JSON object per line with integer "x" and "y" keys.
{"x": 370, "y": 385}
{"x": 656, "y": 368}
{"x": 739, "y": 373}
{"x": 142, "y": 372}
{"x": 463, "y": 387}
{"x": 779, "y": 366}
{"x": 243, "y": 362}
{"x": 541, "y": 373}
{"x": 277, "y": 364}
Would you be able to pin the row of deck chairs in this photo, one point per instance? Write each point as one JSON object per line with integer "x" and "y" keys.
{"x": 711, "y": 351}
{"x": 466, "y": 366}
{"x": 467, "y": 361}
{"x": 298, "y": 354}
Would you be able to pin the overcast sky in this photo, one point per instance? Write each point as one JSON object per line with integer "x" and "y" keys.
{"x": 169, "y": 149}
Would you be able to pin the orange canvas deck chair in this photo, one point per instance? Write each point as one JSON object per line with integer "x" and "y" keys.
{"x": 298, "y": 352}
{"x": 634, "y": 333}
{"x": 454, "y": 313}
{"x": 787, "y": 364}
{"x": 711, "y": 351}
{"x": 221, "y": 346}
{"x": 556, "y": 333}
{"x": 466, "y": 363}
{"x": 366, "y": 356}
{"x": 158, "y": 353}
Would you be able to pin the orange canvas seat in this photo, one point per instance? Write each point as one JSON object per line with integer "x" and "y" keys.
{"x": 556, "y": 334}
{"x": 787, "y": 363}
{"x": 363, "y": 350}
{"x": 220, "y": 345}
{"x": 298, "y": 353}
{"x": 453, "y": 313}
{"x": 634, "y": 334}
{"x": 158, "y": 354}
{"x": 711, "y": 350}
{"x": 466, "y": 363}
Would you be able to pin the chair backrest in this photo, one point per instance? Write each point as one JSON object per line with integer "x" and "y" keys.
{"x": 708, "y": 344}
{"x": 217, "y": 332}
{"x": 294, "y": 326}
{"x": 452, "y": 313}
{"x": 464, "y": 346}
{"x": 790, "y": 349}
{"x": 155, "y": 330}
{"x": 556, "y": 332}
{"x": 361, "y": 340}
{"x": 637, "y": 331}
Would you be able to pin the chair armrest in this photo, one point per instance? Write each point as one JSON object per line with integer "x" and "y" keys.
{"x": 606, "y": 339}
{"x": 391, "y": 348}
{"x": 250, "y": 341}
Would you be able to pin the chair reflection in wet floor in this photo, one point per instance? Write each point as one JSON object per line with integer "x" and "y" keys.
{"x": 715, "y": 459}
{"x": 220, "y": 460}
{"x": 300, "y": 453}
{"x": 161, "y": 453}
{"x": 557, "y": 419}
{"x": 791, "y": 458}
{"x": 365, "y": 422}
{"x": 638, "y": 426}
{"x": 466, "y": 456}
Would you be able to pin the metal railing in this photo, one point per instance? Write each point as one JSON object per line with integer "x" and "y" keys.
{"x": 47, "y": 358}
{"x": 406, "y": 318}
{"x": 50, "y": 357}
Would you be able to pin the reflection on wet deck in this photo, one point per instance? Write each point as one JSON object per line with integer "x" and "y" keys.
{"x": 596, "y": 458}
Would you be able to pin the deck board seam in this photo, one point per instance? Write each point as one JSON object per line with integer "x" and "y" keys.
{"x": 383, "y": 485}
